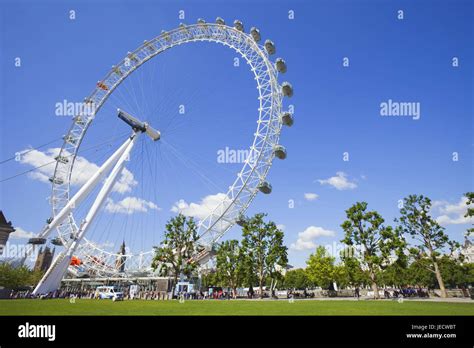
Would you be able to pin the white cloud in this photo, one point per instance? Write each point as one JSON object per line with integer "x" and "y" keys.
{"x": 106, "y": 245}
{"x": 125, "y": 182}
{"x": 339, "y": 181}
{"x": 212, "y": 204}
{"x": 82, "y": 171}
{"x": 452, "y": 214}
{"x": 20, "y": 233}
{"x": 306, "y": 238}
{"x": 130, "y": 205}
{"x": 205, "y": 207}
{"x": 310, "y": 196}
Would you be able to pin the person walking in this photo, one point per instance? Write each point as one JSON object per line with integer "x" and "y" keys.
{"x": 357, "y": 293}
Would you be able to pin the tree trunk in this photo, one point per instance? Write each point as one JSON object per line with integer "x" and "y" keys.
{"x": 175, "y": 282}
{"x": 439, "y": 278}
{"x": 261, "y": 287}
{"x": 375, "y": 288}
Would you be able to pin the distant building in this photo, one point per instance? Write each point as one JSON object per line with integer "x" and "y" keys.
{"x": 120, "y": 262}
{"x": 44, "y": 259}
{"x": 468, "y": 250}
{"x": 5, "y": 229}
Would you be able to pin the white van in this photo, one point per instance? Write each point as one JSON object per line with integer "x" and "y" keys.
{"x": 108, "y": 292}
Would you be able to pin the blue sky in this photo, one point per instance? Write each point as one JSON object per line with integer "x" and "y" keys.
{"x": 337, "y": 109}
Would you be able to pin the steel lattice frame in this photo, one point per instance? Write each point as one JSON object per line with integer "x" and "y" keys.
{"x": 244, "y": 188}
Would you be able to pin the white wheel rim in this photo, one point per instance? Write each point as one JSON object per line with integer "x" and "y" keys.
{"x": 244, "y": 188}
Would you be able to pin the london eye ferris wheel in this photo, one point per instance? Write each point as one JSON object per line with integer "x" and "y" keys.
{"x": 76, "y": 211}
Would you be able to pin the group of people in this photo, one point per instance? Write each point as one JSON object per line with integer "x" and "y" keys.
{"x": 398, "y": 293}
{"x": 406, "y": 292}
{"x": 16, "y": 294}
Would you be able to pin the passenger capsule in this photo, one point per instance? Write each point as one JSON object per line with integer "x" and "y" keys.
{"x": 280, "y": 151}
{"x": 117, "y": 70}
{"x": 238, "y": 25}
{"x": 149, "y": 45}
{"x": 287, "y": 89}
{"x": 270, "y": 47}
{"x": 220, "y": 21}
{"x": 241, "y": 220}
{"x": 57, "y": 181}
{"x": 69, "y": 139}
{"x": 37, "y": 241}
{"x": 255, "y": 34}
{"x": 61, "y": 159}
{"x": 132, "y": 57}
{"x": 80, "y": 121}
{"x": 280, "y": 65}
{"x": 56, "y": 241}
{"x": 166, "y": 35}
{"x": 265, "y": 187}
{"x": 201, "y": 21}
{"x": 287, "y": 119}
{"x": 185, "y": 29}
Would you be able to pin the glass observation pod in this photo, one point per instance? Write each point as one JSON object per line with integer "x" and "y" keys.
{"x": 238, "y": 25}
{"x": 241, "y": 220}
{"x": 184, "y": 29}
{"x": 269, "y": 47}
{"x": 117, "y": 70}
{"x": 57, "y": 181}
{"x": 287, "y": 119}
{"x": 287, "y": 89}
{"x": 69, "y": 139}
{"x": 280, "y": 65}
{"x": 56, "y": 241}
{"x": 37, "y": 241}
{"x": 61, "y": 159}
{"x": 149, "y": 45}
{"x": 89, "y": 101}
{"x": 166, "y": 35}
{"x": 265, "y": 187}
{"x": 280, "y": 151}
{"x": 255, "y": 34}
{"x": 220, "y": 21}
{"x": 80, "y": 121}
{"x": 132, "y": 57}
{"x": 201, "y": 21}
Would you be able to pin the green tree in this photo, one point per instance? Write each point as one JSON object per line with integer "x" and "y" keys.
{"x": 395, "y": 274}
{"x": 454, "y": 274}
{"x": 416, "y": 222}
{"x": 297, "y": 279}
{"x": 209, "y": 279}
{"x": 18, "y": 277}
{"x": 469, "y": 273}
{"x": 174, "y": 256}
{"x": 320, "y": 268}
{"x": 263, "y": 249}
{"x": 379, "y": 243}
{"x": 230, "y": 265}
{"x": 354, "y": 274}
{"x": 419, "y": 273}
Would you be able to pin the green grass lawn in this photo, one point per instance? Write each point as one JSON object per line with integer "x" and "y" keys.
{"x": 233, "y": 307}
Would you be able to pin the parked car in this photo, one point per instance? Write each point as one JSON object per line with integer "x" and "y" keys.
{"x": 108, "y": 292}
